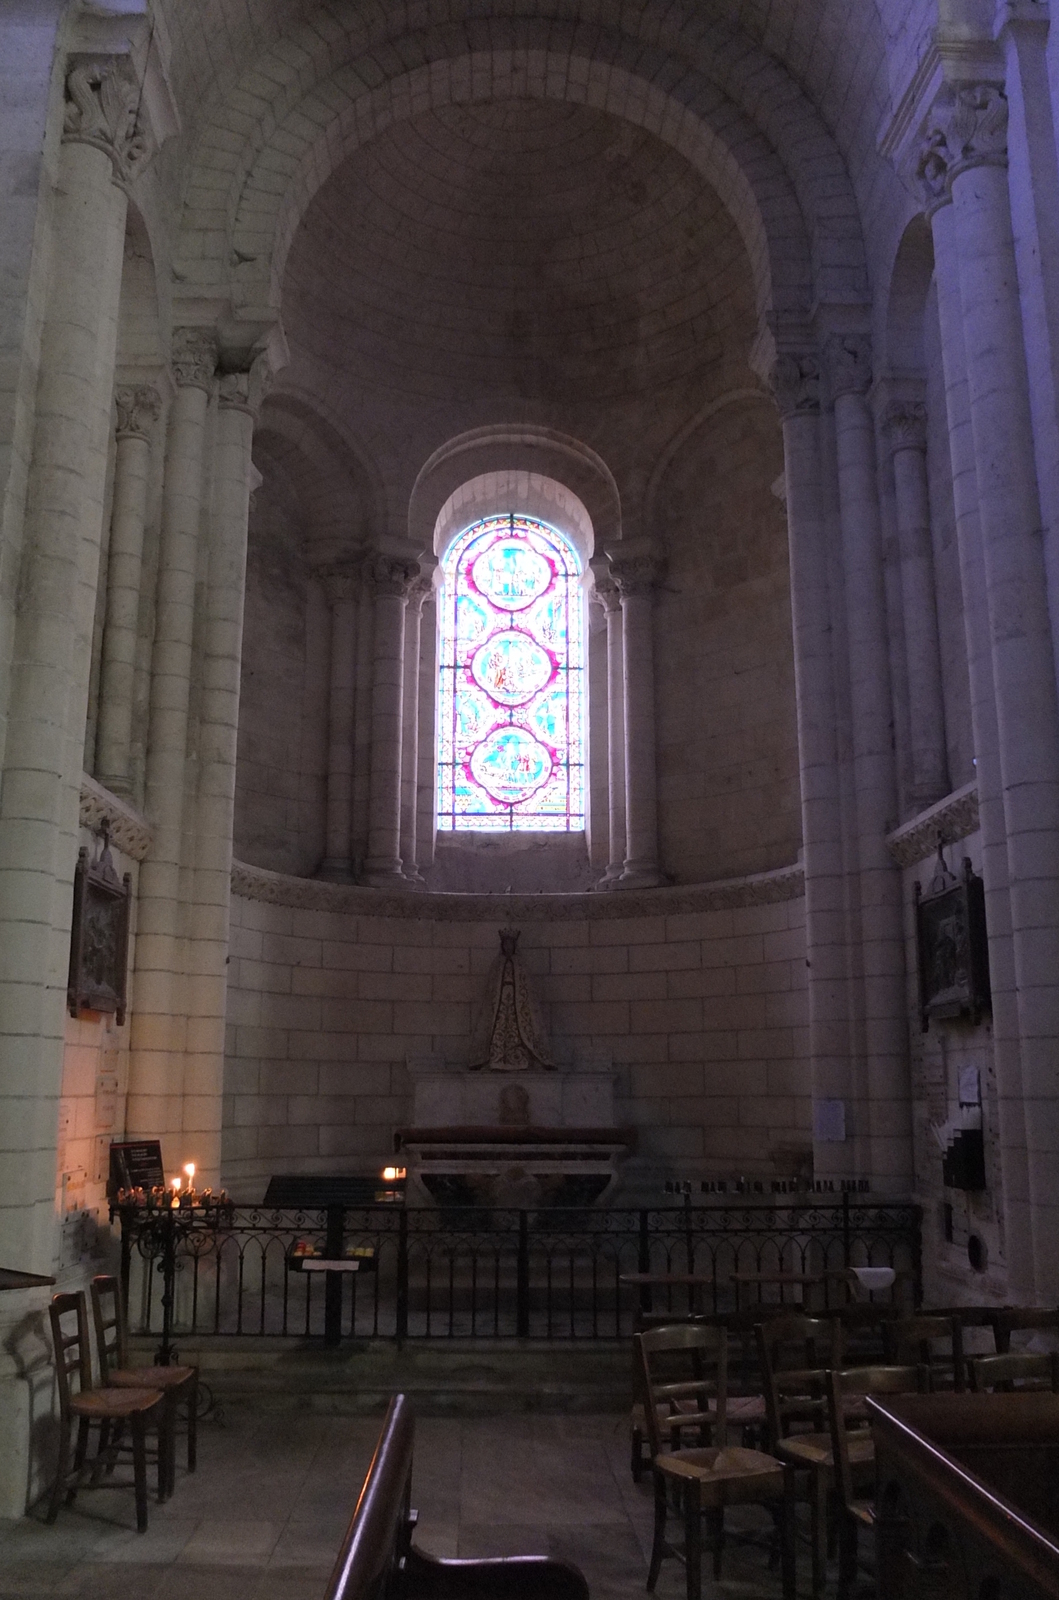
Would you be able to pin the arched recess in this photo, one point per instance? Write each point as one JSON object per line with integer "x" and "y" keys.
{"x": 521, "y": 460}
{"x": 313, "y": 513}
{"x": 797, "y": 214}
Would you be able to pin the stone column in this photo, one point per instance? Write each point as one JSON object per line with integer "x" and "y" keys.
{"x": 796, "y": 386}
{"x": 158, "y": 1037}
{"x": 239, "y": 396}
{"x": 1005, "y": 1023}
{"x": 362, "y": 694}
{"x": 417, "y": 595}
{"x": 51, "y": 650}
{"x": 341, "y": 588}
{"x": 138, "y": 410}
{"x": 392, "y": 578}
{"x": 884, "y": 1110}
{"x": 610, "y": 599}
{"x": 635, "y": 567}
{"x": 905, "y": 428}
{"x": 966, "y": 148}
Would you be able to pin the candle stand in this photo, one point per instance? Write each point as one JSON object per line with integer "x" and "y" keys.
{"x": 161, "y": 1225}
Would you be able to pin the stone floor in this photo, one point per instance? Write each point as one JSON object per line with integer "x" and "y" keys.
{"x": 264, "y": 1515}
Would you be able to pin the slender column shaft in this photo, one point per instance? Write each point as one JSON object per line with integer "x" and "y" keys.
{"x": 222, "y": 649}
{"x": 635, "y": 572}
{"x": 410, "y": 731}
{"x": 159, "y": 1032}
{"x": 905, "y": 425}
{"x": 796, "y": 385}
{"x": 137, "y": 411}
{"x": 1010, "y": 1116}
{"x": 428, "y": 770}
{"x": 342, "y": 596}
{"x": 392, "y": 580}
{"x": 615, "y": 733}
{"x": 1023, "y": 660}
{"x": 885, "y": 1109}
{"x": 49, "y": 683}
{"x": 362, "y": 722}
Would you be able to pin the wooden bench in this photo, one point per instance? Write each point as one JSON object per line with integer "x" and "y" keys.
{"x": 378, "y": 1561}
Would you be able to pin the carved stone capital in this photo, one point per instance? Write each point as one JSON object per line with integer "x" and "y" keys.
{"x": 904, "y": 425}
{"x": 607, "y": 593}
{"x": 422, "y": 587}
{"x": 795, "y": 383}
{"x": 847, "y": 357}
{"x": 101, "y": 109}
{"x": 636, "y": 574}
{"x": 968, "y": 127}
{"x": 194, "y": 359}
{"x": 341, "y": 584}
{"x": 392, "y": 575}
{"x": 138, "y": 410}
{"x": 245, "y": 391}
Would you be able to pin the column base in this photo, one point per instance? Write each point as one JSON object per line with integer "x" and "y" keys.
{"x": 120, "y": 786}
{"x": 637, "y": 876}
{"x": 609, "y": 879}
{"x": 333, "y": 869}
{"x": 383, "y": 874}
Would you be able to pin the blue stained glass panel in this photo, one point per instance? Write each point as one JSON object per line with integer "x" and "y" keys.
{"x": 511, "y": 715}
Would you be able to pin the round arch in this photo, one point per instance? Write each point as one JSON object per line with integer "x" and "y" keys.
{"x": 799, "y": 220}
{"x": 539, "y": 464}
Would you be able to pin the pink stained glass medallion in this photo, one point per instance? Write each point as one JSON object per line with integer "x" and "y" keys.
{"x": 511, "y": 716}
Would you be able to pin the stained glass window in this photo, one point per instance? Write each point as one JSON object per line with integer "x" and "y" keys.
{"x": 511, "y": 702}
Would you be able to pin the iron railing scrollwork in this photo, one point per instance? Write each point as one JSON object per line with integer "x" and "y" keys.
{"x": 470, "y": 1273}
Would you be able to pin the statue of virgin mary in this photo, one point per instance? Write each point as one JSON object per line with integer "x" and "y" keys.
{"x": 508, "y": 1035}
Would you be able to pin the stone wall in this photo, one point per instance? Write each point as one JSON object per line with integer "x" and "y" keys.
{"x": 938, "y": 1056}
{"x": 697, "y": 996}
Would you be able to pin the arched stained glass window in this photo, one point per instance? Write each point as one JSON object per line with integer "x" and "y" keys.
{"x": 511, "y": 704}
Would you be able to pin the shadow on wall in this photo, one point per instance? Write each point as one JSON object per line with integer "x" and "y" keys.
{"x": 31, "y": 1387}
{"x": 519, "y": 863}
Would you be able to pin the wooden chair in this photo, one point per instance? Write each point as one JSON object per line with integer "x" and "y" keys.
{"x": 795, "y": 1354}
{"x": 853, "y": 1452}
{"x": 709, "y": 1476}
{"x": 1019, "y": 1371}
{"x": 915, "y": 1339}
{"x": 1021, "y": 1319}
{"x": 746, "y": 1406}
{"x": 179, "y": 1385}
{"x": 138, "y": 1409}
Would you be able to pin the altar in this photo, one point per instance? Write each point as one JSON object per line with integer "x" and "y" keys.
{"x": 511, "y": 1128}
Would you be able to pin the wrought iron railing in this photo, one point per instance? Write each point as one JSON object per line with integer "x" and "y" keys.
{"x": 470, "y": 1273}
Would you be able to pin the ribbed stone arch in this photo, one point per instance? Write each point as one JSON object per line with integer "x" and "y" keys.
{"x": 297, "y": 118}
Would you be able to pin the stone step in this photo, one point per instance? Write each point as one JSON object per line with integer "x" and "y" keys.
{"x": 443, "y": 1377}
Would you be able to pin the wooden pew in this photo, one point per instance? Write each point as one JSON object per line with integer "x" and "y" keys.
{"x": 378, "y": 1561}
{"x": 967, "y": 1505}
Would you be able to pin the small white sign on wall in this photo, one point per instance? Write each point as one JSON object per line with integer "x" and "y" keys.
{"x": 829, "y": 1121}
{"x": 970, "y": 1091}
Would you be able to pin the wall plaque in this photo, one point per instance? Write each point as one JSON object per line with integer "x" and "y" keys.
{"x": 99, "y": 937}
{"x": 952, "y": 946}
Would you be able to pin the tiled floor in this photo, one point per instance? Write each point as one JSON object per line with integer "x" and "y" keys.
{"x": 264, "y": 1515}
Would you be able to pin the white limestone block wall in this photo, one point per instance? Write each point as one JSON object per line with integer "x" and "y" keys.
{"x": 940, "y": 1058}
{"x": 697, "y": 996}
